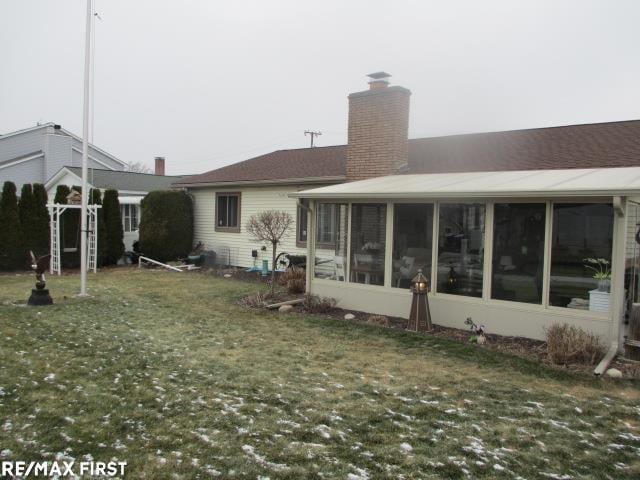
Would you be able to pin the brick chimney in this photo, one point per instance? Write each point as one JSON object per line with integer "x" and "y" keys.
{"x": 378, "y": 129}
{"x": 159, "y": 166}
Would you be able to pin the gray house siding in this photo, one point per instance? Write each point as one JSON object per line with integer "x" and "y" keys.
{"x": 21, "y": 144}
{"x": 23, "y": 173}
{"x": 35, "y": 154}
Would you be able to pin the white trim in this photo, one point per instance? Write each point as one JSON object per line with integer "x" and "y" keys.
{"x": 58, "y": 175}
{"x": 96, "y": 160}
{"x": 487, "y": 256}
{"x": 388, "y": 247}
{"x": 27, "y": 130}
{"x": 22, "y": 160}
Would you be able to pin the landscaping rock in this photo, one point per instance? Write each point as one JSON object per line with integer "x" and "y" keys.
{"x": 227, "y": 275}
{"x": 613, "y": 373}
{"x": 349, "y": 316}
{"x": 285, "y": 308}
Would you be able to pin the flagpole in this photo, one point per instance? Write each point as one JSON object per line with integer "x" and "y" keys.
{"x": 85, "y": 152}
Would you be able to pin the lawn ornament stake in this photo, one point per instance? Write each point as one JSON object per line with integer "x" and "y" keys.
{"x": 40, "y": 294}
{"x": 420, "y": 316}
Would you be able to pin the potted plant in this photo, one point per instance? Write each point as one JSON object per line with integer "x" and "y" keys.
{"x": 601, "y": 272}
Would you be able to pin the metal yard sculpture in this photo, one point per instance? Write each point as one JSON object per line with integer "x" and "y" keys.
{"x": 40, "y": 294}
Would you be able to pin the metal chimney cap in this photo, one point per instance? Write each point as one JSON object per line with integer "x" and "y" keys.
{"x": 379, "y": 75}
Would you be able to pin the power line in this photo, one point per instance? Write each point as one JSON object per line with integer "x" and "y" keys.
{"x": 313, "y": 134}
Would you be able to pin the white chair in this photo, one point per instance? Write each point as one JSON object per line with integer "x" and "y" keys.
{"x": 339, "y": 267}
{"x": 406, "y": 269}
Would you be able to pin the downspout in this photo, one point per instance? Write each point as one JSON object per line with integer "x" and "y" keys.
{"x": 617, "y": 286}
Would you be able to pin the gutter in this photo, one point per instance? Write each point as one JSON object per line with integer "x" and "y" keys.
{"x": 283, "y": 181}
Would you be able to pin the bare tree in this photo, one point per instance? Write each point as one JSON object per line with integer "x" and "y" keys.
{"x": 270, "y": 226}
{"x": 139, "y": 167}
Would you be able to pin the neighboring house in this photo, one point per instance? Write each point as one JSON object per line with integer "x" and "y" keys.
{"x": 131, "y": 186}
{"x": 500, "y": 222}
{"x": 35, "y": 154}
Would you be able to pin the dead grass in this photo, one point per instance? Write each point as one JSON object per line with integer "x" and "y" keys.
{"x": 168, "y": 373}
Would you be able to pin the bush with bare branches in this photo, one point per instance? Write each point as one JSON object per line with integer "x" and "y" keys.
{"x": 270, "y": 226}
{"x": 317, "y": 304}
{"x": 294, "y": 279}
{"x": 568, "y": 343}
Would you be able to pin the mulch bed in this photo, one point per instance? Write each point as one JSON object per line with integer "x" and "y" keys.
{"x": 527, "y": 348}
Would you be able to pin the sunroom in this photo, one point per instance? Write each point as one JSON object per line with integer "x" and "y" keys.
{"x": 514, "y": 250}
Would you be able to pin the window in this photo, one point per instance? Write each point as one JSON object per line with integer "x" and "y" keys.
{"x": 327, "y": 223}
{"x": 368, "y": 230}
{"x": 228, "y": 212}
{"x": 518, "y": 252}
{"x": 580, "y": 231}
{"x": 129, "y": 217}
{"x": 461, "y": 249}
{"x": 301, "y": 226}
{"x": 331, "y": 258}
{"x": 412, "y": 242}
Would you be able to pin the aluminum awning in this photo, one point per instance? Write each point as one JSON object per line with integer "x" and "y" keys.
{"x": 623, "y": 181}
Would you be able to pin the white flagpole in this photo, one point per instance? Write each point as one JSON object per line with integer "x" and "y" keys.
{"x": 85, "y": 152}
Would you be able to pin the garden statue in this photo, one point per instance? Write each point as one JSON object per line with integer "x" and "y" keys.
{"x": 478, "y": 331}
{"x": 40, "y": 294}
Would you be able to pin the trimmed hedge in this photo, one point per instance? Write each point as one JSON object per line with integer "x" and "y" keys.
{"x": 12, "y": 252}
{"x": 166, "y": 226}
{"x": 114, "y": 248}
{"x": 40, "y": 231}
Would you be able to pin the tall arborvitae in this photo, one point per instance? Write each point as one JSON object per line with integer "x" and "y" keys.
{"x": 95, "y": 198}
{"x": 62, "y": 192}
{"x": 12, "y": 252}
{"x": 26, "y": 211}
{"x": 113, "y": 223}
{"x": 41, "y": 220}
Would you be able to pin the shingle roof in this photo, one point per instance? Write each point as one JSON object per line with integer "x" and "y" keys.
{"x": 131, "y": 181}
{"x": 614, "y": 144}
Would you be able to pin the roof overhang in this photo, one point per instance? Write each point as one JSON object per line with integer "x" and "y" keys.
{"x": 623, "y": 181}
{"x": 257, "y": 183}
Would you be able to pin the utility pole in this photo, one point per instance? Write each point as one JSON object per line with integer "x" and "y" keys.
{"x": 85, "y": 151}
{"x": 313, "y": 134}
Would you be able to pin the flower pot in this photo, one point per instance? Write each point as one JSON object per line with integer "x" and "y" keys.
{"x": 604, "y": 285}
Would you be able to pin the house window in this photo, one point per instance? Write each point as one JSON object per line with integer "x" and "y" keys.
{"x": 301, "y": 226}
{"x": 580, "y": 232}
{"x": 368, "y": 242}
{"x": 461, "y": 249}
{"x": 518, "y": 252}
{"x": 412, "y": 242}
{"x": 228, "y": 212}
{"x": 331, "y": 257}
{"x": 130, "y": 217}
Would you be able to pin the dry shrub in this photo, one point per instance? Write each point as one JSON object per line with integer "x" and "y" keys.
{"x": 294, "y": 279}
{"x": 316, "y": 304}
{"x": 257, "y": 300}
{"x": 571, "y": 344}
{"x": 378, "y": 320}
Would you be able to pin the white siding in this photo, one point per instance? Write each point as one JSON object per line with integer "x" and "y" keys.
{"x": 235, "y": 248}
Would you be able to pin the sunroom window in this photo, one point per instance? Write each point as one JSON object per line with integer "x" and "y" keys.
{"x": 461, "y": 248}
{"x": 412, "y": 242}
{"x": 581, "y": 246}
{"x": 368, "y": 242}
{"x": 518, "y": 252}
{"x": 331, "y": 255}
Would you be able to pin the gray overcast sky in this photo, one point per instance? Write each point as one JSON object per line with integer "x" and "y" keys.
{"x": 207, "y": 83}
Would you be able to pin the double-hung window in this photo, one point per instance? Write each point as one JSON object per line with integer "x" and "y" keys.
{"x": 129, "y": 217}
{"x": 228, "y": 212}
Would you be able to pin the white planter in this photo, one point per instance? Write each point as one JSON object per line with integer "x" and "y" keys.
{"x": 599, "y": 301}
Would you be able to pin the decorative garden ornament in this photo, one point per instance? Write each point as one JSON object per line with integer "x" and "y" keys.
{"x": 420, "y": 316}
{"x": 40, "y": 294}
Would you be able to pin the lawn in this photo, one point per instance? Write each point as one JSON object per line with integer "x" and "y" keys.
{"x": 164, "y": 371}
